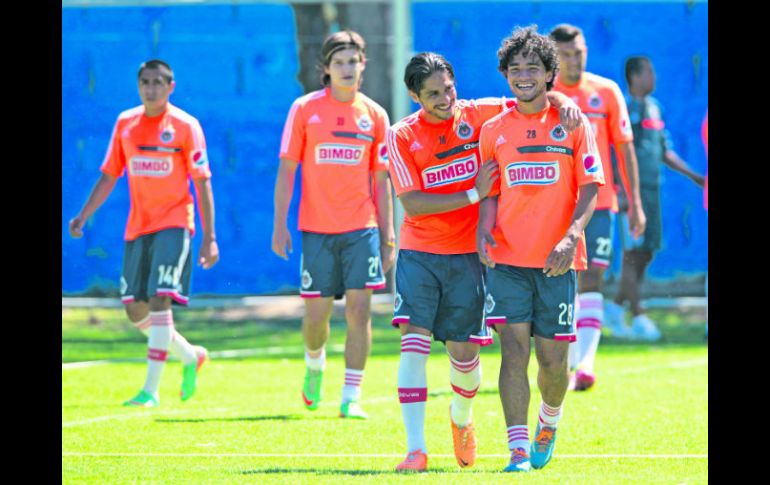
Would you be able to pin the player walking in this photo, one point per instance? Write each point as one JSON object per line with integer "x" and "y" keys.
{"x": 345, "y": 212}
{"x": 160, "y": 147}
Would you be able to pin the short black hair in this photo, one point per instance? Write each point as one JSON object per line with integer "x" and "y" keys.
{"x": 526, "y": 40}
{"x": 634, "y": 65}
{"x": 565, "y": 33}
{"x": 422, "y": 66}
{"x": 160, "y": 65}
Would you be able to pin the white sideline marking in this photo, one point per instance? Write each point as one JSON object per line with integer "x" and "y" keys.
{"x": 129, "y": 415}
{"x": 676, "y": 364}
{"x": 218, "y": 354}
{"x": 383, "y": 455}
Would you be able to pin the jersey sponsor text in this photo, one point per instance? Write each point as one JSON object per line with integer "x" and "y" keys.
{"x": 454, "y": 171}
{"x": 338, "y": 153}
{"x": 151, "y": 167}
{"x": 531, "y": 173}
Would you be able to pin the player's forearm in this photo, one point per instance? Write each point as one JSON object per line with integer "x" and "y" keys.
{"x": 584, "y": 209}
{"x": 419, "y": 203}
{"x": 383, "y": 200}
{"x": 102, "y": 189}
{"x": 487, "y": 214}
{"x": 284, "y": 189}
{"x": 629, "y": 172}
{"x": 672, "y": 160}
{"x": 206, "y": 208}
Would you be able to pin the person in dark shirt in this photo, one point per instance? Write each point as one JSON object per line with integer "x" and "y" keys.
{"x": 652, "y": 143}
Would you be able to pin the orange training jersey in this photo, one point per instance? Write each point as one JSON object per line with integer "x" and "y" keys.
{"x": 440, "y": 158}
{"x": 602, "y": 102}
{"x": 340, "y": 145}
{"x": 160, "y": 154}
{"x": 541, "y": 169}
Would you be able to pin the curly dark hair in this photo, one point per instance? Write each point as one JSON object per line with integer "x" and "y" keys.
{"x": 525, "y": 40}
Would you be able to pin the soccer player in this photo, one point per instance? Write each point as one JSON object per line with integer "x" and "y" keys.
{"x": 160, "y": 147}
{"x": 437, "y": 174}
{"x": 345, "y": 211}
{"x": 653, "y": 145}
{"x": 533, "y": 221}
{"x": 602, "y": 102}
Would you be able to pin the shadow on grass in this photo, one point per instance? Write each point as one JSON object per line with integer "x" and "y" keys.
{"x": 275, "y": 417}
{"x": 326, "y": 471}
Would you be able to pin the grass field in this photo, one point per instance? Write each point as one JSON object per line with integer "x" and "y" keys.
{"x": 645, "y": 422}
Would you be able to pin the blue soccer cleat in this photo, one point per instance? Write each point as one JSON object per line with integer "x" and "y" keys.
{"x": 519, "y": 461}
{"x": 542, "y": 446}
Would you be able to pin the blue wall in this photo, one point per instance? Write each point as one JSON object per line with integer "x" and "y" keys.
{"x": 236, "y": 67}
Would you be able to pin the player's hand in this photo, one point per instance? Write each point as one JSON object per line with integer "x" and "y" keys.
{"x": 637, "y": 221}
{"x": 488, "y": 173}
{"x": 569, "y": 115}
{"x": 76, "y": 227}
{"x": 209, "y": 254}
{"x": 483, "y": 238}
{"x": 282, "y": 241}
{"x": 561, "y": 257}
{"x": 388, "y": 255}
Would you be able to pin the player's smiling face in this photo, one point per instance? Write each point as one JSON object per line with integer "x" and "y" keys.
{"x": 345, "y": 68}
{"x": 527, "y": 77}
{"x": 154, "y": 90}
{"x": 437, "y": 97}
{"x": 572, "y": 59}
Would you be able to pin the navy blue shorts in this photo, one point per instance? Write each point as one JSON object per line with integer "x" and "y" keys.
{"x": 157, "y": 264}
{"x": 333, "y": 263}
{"x": 442, "y": 293}
{"x": 526, "y": 295}
{"x": 599, "y": 238}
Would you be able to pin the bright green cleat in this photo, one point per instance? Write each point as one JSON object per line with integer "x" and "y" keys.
{"x": 190, "y": 374}
{"x": 352, "y": 410}
{"x": 143, "y": 400}
{"x": 311, "y": 389}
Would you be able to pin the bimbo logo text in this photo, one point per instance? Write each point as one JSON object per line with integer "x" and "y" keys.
{"x": 454, "y": 171}
{"x": 150, "y": 167}
{"x": 531, "y": 173}
{"x": 338, "y": 153}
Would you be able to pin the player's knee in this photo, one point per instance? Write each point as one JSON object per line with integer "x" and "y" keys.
{"x": 136, "y": 311}
{"x": 358, "y": 314}
{"x": 514, "y": 350}
{"x": 552, "y": 363}
{"x": 160, "y": 303}
{"x": 590, "y": 279}
{"x": 463, "y": 351}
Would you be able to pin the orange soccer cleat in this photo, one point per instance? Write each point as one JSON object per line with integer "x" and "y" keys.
{"x": 416, "y": 461}
{"x": 465, "y": 443}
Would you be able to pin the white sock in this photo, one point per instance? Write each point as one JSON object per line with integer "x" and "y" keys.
{"x": 413, "y": 388}
{"x": 179, "y": 345}
{"x": 573, "y": 357}
{"x": 518, "y": 437}
{"x": 318, "y": 361}
{"x": 465, "y": 378}
{"x": 589, "y": 327}
{"x": 161, "y": 327}
{"x": 351, "y": 391}
{"x": 143, "y": 325}
{"x": 549, "y": 416}
{"x": 181, "y": 348}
